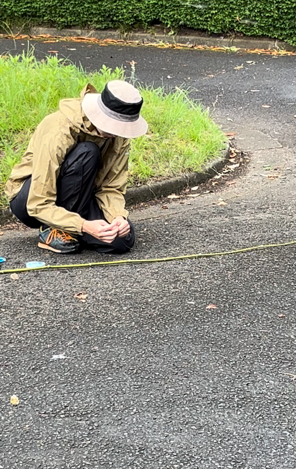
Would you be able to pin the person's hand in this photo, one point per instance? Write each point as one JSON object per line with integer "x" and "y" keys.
{"x": 123, "y": 226}
{"x": 101, "y": 230}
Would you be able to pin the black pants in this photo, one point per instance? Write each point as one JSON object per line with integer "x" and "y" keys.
{"x": 75, "y": 193}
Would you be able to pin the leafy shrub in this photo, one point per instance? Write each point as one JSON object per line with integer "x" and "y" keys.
{"x": 273, "y": 18}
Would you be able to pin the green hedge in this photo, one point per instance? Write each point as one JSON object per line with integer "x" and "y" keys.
{"x": 273, "y": 18}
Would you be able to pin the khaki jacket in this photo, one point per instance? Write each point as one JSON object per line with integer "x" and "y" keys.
{"x": 54, "y": 137}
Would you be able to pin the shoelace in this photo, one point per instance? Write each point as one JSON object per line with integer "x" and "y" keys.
{"x": 59, "y": 234}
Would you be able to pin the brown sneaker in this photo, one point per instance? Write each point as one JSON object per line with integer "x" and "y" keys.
{"x": 57, "y": 241}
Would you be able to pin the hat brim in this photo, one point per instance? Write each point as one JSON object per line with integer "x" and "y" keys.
{"x": 107, "y": 124}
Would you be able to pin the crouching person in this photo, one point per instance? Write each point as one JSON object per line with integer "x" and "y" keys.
{"x": 72, "y": 179}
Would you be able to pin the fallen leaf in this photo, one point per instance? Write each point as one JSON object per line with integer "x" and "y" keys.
{"x": 265, "y": 105}
{"x": 233, "y": 166}
{"x": 81, "y": 296}
{"x": 292, "y": 375}
{"x": 53, "y": 51}
{"x": 14, "y": 400}
{"x": 221, "y": 203}
{"x": 239, "y": 67}
{"x": 173, "y": 196}
{"x": 211, "y": 306}
{"x": 230, "y": 134}
{"x": 61, "y": 356}
{"x": 14, "y": 276}
{"x": 270, "y": 176}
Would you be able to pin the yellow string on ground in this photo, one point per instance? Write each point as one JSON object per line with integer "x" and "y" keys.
{"x": 146, "y": 261}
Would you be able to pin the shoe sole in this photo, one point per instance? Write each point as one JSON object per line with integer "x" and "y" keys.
{"x": 49, "y": 248}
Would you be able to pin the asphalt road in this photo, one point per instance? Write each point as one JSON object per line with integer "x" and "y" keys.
{"x": 143, "y": 373}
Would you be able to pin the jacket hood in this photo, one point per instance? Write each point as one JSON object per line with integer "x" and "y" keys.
{"x": 72, "y": 110}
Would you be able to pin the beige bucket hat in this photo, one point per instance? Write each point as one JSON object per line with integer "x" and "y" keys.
{"x": 117, "y": 110}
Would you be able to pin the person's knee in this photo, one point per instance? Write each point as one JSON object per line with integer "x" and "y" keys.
{"x": 90, "y": 147}
{"x": 90, "y": 153}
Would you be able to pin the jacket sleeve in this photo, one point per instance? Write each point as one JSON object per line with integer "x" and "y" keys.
{"x": 112, "y": 180}
{"x": 52, "y": 141}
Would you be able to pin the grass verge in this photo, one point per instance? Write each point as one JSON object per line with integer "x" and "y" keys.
{"x": 181, "y": 136}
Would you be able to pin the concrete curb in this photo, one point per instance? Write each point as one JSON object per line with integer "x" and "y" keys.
{"x": 136, "y": 195}
{"x": 5, "y": 216}
{"x": 189, "y": 40}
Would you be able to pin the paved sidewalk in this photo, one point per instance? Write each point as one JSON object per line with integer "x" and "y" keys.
{"x": 144, "y": 373}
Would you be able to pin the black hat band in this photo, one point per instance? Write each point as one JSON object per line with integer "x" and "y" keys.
{"x": 115, "y": 115}
{"x": 117, "y": 109}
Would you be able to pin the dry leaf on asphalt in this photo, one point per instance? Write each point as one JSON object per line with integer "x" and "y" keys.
{"x": 230, "y": 134}
{"x": 239, "y": 67}
{"x": 211, "y": 306}
{"x": 14, "y": 400}
{"x": 233, "y": 166}
{"x": 173, "y": 196}
{"x": 81, "y": 296}
{"x": 14, "y": 276}
{"x": 292, "y": 375}
{"x": 61, "y": 356}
